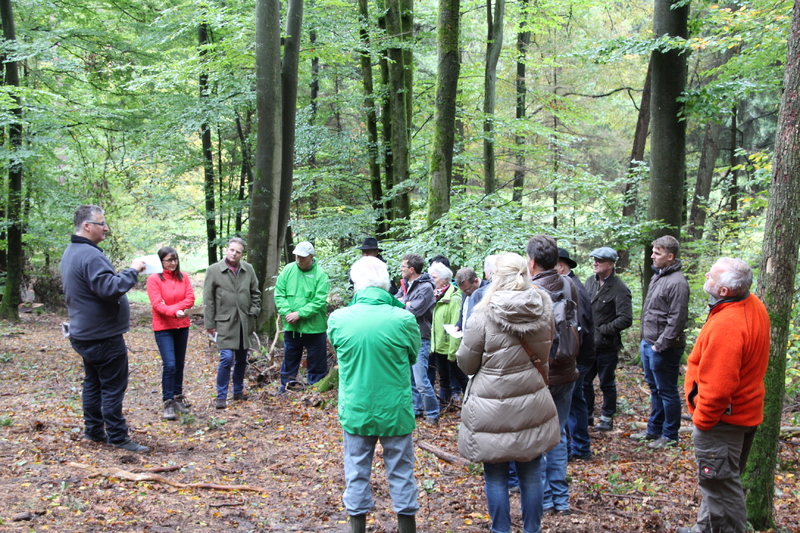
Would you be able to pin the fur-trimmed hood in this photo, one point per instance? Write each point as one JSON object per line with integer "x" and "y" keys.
{"x": 520, "y": 312}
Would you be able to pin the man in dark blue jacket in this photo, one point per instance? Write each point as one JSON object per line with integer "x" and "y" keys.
{"x": 98, "y": 316}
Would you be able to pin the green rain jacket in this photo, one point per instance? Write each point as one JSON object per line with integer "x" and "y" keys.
{"x": 446, "y": 311}
{"x": 376, "y": 342}
{"x": 306, "y": 293}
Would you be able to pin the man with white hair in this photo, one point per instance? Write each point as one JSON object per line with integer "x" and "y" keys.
{"x": 376, "y": 343}
{"x": 724, "y": 390}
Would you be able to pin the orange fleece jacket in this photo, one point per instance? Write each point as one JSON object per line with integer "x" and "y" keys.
{"x": 725, "y": 374}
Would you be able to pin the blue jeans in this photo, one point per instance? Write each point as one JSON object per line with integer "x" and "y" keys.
{"x": 172, "y": 346}
{"x": 661, "y": 370}
{"x": 554, "y": 462}
{"x": 426, "y": 398}
{"x": 578, "y": 425}
{"x": 105, "y": 366}
{"x": 316, "y": 345}
{"x": 604, "y": 367}
{"x": 497, "y": 499}
{"x": 398, "y": 457}
{"x": 228, "y": 358}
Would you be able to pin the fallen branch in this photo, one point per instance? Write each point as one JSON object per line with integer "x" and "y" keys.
{"x": 130, "y": 476}
{"x": 443, "y": 455}
{"x": 231, "y": 504}
{"x": 157, "y": 469}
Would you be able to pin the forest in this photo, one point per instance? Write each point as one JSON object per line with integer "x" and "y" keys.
{"x": 456, "y": 127}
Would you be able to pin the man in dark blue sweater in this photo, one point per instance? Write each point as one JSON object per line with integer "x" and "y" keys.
{"x": 98, "y": 316}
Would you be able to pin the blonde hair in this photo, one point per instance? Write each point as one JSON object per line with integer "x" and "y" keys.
{"x": 510, "y": 274}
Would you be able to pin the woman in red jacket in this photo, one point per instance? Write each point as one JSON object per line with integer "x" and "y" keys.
{"x": 171, "y": 295}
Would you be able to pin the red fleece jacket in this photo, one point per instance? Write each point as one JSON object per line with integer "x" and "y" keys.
{"x": 725, "y": 374}
{"x": 167, "y": 297}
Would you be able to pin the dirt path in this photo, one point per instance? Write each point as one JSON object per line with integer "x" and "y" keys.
{"x": 291, "y": 447}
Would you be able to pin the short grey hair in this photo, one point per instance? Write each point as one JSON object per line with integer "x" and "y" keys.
{"x": 488, "y": 265}
{"x": 737, "y": 277}
{"x": 465, "y": 275}
{"x": 440, "y": 270}
{"x": 86, "y": 213}
{"x": 369, "y": 271}
{"x": 237, "y": 240}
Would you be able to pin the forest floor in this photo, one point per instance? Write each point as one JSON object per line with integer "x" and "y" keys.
{"x": 288, "y": 447}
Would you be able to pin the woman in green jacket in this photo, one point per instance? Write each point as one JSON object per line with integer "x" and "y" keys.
{"x": 443, "y": 345}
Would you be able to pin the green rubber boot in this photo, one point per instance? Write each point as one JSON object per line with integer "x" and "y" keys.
{"x": 358, "y": 523}
{"x": 406, "y": 523}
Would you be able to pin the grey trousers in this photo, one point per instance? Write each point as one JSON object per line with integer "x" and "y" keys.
{"x": 721, "y": 454}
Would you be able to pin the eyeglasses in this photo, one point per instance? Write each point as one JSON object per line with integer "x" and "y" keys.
{"x": 97, "y": 223}
{"x": 170, "y": 260}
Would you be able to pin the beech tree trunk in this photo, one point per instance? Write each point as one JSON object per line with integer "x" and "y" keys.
{"x": 397, "y": 101}
{"x": 494, "y": 44}
{"x": 441, "y": 170}
{"x": 265, "y": 237}
{"x": 523, "y": 41}
{"x": 705, "y": 173}
{"x": 776, "y": 279}
{"x": 9, "y": 308}
{"x": 668, "y": 141}
{"x": 208, "y": 159}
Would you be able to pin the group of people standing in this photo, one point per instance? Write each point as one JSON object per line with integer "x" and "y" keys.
{"x": 528, "y": 395}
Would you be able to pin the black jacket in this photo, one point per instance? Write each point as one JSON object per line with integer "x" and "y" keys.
{"x": 419, "y": 302}
{"x": 587, "y": 354}
{"x": 551, "y": 281}
{"x": 612, "y": 310}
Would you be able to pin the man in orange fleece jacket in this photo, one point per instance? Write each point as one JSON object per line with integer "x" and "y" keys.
{"x": 724, "y": 388}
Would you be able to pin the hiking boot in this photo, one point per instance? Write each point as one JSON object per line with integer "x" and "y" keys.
{"x": 358, "y": 523}
{"x": 169, "y": 410}
{"x": 131, "y": 446}
{"x": 222, "y": 403}
{"x": 605, "y": 424}
{"x": 642, "y": 436}
{"x": 406, "y": 523}
{"x": 240, "y": 397}
{"x": 579, "y": 457}
{"x": 90, "y": 439}
{"x": 661, "y": 443}
{"x": 431, "y": 421}
{"x": 295, "y": 385}
{"x": 181, "y": 404}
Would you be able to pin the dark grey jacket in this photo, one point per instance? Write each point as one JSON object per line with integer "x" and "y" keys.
{"x": 587, "y": 354}
{"x": 666, "y": 309}
{"x": 612, "y": 310}
{"x": 562, "y": 372}
{"x": 95, "y": 292}
{"x": 419, "y": 302}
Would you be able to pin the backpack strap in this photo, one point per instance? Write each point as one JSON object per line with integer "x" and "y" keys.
{"x": 535, "y": 360}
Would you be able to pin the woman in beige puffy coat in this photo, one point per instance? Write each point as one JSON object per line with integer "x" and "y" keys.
{"x": 508, "y": 414}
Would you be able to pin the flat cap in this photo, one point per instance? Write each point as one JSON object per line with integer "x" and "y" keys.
{"x": 605, "y": 253}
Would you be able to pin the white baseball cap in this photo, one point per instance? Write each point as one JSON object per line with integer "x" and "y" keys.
{"x": 304, "y": 249}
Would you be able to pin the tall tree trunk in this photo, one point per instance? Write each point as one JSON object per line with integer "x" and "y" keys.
{"x": 9, "y": 308}
{"x": 523, "y": 41}
{"x": 776, "y": 284}
{"x": 637, "y": 156}
{"x": 265, "y": 237}
{"x": 668, "y": 143}
{"x": 208, "y": 158}
{"x": 246, "y": 175}
{"x": 291, "y": 58}
{"x": 376, "y": 188}
{"x": 397, "y": 100}
{"x": 386, "y": 121}
{"x": 441, "y": 170}
{"x": 733, "y": 172}
{"x": 494, "y": 44}
{"x": 705, "y": 173}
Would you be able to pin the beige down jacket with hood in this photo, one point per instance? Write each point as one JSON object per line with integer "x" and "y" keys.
{"x": 508, "y": 413}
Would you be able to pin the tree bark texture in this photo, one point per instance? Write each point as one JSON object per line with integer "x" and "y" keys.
{"x": 494, "y": 44}
{"x": 668, "y": 137}
{"x": 397, "y": 101}
{"x": 523, "y": 41}
{"x": 291, "y": 58}
{"x": 779, "y": 255}
{"x": 441, "y": 170}
{"x": 376, "y": 188}
{"x": 705, "y": 173}
{"x": 265, "y": 238}
{"x": 9, "y": 308}
{"x": 208, "y": 158}
{"x": 637, "y": 155}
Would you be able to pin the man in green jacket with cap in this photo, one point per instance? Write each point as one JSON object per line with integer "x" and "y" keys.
{"x": 376, "y": 342}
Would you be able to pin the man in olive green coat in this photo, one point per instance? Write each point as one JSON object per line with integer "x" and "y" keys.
{"x": 233, "y": 302}
{"x": 376, "y": 343}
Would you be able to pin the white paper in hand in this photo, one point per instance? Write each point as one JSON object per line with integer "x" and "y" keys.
{"x": 451, "y": 330}
{"x": 153, "y": 264}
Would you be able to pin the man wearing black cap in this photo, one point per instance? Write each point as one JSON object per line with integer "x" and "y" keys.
{"x": 612, "y": 311}
{"x": 578, "y": 423}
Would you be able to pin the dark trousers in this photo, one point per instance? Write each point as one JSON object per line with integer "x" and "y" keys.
{"x": 578, "y": 426}
{"x": 605, "y": 368}
{"x": 316, "y": 345}
{"x": 172, "y": 347}
{"x": 105, "y": 366}
{"x": 450, "y": 376}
